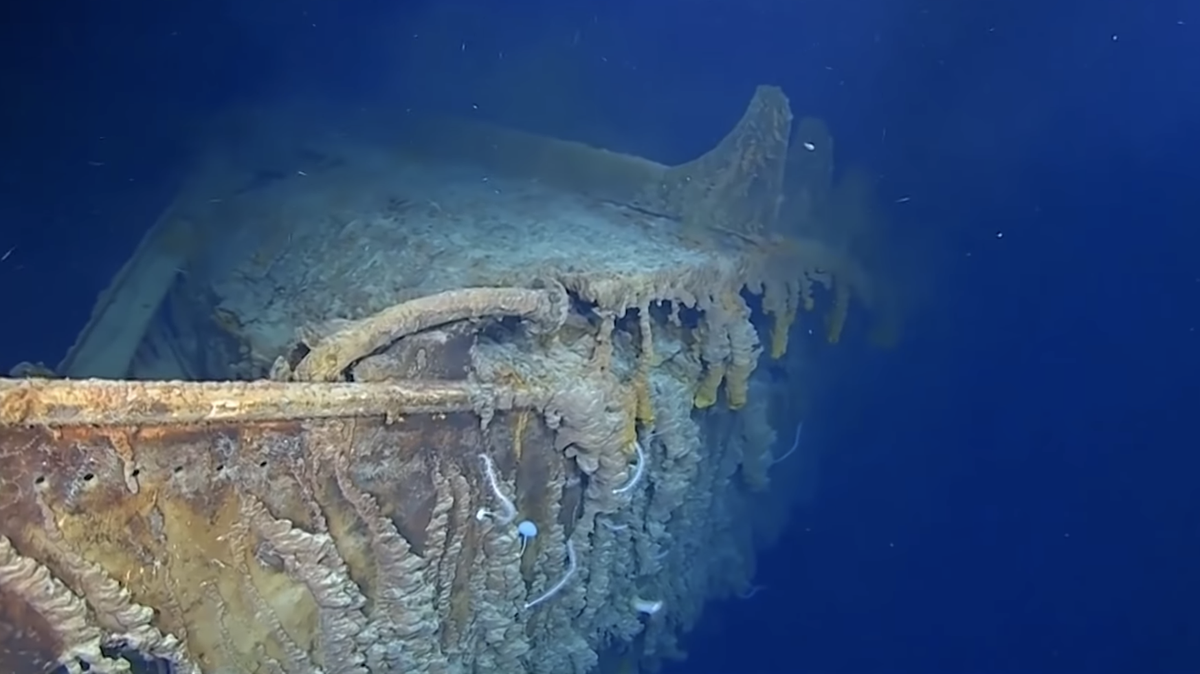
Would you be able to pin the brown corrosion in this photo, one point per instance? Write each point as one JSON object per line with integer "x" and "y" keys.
{"x": 172, "y": 510}
{"x": 51, "y": 402}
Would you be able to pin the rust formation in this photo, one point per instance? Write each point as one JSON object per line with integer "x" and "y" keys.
{"x": 307, "y": 540}
{"x": 425, "y": 427}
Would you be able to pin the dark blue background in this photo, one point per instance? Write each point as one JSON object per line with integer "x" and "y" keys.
{"x": 1011, "y": 490}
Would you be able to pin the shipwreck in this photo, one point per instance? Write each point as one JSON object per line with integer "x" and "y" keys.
{"x": 443, "y": 398}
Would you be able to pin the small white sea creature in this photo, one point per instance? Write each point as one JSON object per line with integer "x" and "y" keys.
{"x": 527, "y": 531}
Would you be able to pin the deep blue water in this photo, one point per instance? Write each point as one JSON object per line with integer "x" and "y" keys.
{"x": 1012, "y": 489}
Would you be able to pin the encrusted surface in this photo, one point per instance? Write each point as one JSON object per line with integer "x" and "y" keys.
{"x": 289, "y": 544}
{"x": 355, "y": 527}
{"x": 41, "y": 401}
{"x": 360, "y": 227}
{"x": 447, "y": 229}
{"x": 737, "y": 186}
{"x": 551, "y": 335}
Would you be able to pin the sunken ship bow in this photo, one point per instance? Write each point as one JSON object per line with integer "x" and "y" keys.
{"x": 454, "y": 398}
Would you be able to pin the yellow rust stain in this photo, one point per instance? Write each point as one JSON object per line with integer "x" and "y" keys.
{"x": 292, "y": 605}
{"x": 646, "y": 361}
{"x": 177, "y": 569}
{"x": 351, "y": 536}
{"x": 461, "y": 600}
{"x": 710, "y": 384}
{"x": 519, "y": 427}
{"x": 115, "y": 534}
{"x": 780, "y": 330}
{"x": 508, "y": 376}
{"x": 198, "y": 554}
{"x": 630, "y": 403}
{"x": 644, "y": 402}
